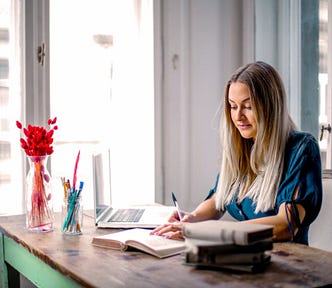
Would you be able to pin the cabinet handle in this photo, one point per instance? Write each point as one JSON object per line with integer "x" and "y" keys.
{"x": 41, "y": 54}
{"x": 323, "y": 128}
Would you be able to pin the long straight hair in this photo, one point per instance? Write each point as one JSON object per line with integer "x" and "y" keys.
{"x": 254, "y": 168}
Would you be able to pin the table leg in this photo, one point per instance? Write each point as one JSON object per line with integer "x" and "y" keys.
{"x": 3, "y": 266}
{"x": 14, "y": 280}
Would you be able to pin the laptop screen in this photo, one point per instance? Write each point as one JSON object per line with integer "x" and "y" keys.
{"x": 101, "y": 181}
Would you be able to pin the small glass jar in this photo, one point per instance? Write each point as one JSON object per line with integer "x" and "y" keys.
{"x": 72, "y": 214}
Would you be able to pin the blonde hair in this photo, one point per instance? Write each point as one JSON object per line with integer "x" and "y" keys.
{"x": 254, "y": 169}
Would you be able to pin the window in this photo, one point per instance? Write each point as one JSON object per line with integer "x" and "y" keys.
{"x": 10, "y": 108}
{"x": 300, "y": 32}
{"x": 101, "y": 90}
{"x": 97, "y": 78}
{"x": 325, "y": 110}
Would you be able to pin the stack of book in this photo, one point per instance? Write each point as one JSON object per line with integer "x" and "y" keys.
{"x": 228, "y": 245}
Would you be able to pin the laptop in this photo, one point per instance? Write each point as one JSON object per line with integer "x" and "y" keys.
{"x": 106, "y": 216}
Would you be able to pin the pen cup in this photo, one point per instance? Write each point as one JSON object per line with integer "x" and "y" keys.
{"x": 72, "y": 215}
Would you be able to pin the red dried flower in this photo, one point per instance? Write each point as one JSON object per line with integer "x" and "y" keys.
{"x": 38, "y": 140}
{"x": 19, "y": 125}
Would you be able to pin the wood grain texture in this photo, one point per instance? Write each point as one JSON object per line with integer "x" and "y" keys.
{"x": 292, "y": 265}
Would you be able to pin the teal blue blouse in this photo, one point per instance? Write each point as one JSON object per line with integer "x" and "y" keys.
{"x": 302, "y": 168}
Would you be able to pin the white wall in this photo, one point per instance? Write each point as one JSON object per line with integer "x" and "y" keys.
{"x": 199, "y": 53}
{"x": 320, "y": 232}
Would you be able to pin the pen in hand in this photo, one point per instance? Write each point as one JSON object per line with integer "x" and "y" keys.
{"x": 176, "y": 206}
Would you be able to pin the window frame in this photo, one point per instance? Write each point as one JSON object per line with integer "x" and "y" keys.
{"x": 37, "y": 77}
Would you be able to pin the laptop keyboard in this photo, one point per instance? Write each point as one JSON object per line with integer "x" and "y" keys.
{"x": 126, "y": 215}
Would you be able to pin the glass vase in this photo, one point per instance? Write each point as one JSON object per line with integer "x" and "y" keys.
{"x": 39, "y": 206}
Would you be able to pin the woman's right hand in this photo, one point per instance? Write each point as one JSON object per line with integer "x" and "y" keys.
{"x": 173, "y": 229}
{"x": 174, "y": 217}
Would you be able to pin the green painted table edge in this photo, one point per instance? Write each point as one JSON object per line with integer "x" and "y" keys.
{"x": 34, "y": 269}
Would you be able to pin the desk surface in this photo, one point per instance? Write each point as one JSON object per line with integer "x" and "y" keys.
{"x": 75, "y": 257}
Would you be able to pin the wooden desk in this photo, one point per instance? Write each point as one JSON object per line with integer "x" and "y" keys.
{"x": 55, "y": 260}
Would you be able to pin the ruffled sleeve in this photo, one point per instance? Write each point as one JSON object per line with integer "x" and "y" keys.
{"x": 302, "y": 170}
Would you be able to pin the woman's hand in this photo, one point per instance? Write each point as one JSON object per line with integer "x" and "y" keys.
{"x": 173, "y": 229}
{"x": 185, "y": 217}
{"x": 169, "y": 230}
{"x": 204, "y": 211}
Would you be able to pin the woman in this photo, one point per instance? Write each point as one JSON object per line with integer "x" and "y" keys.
{"x": 270, "y": 172}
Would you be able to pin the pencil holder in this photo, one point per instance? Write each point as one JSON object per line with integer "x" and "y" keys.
{"x": 72, "y": 214}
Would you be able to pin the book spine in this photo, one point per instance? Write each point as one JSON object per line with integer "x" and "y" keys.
{"x": 223, "y": 236}
{"x": 220, "y": 259}
{"x": 223, "y": 249}
{"x": 241, "y": 258}
{"x": 227, "y": 236}
{"x": 251, "y": 268}
{"x": 236, "y": 237}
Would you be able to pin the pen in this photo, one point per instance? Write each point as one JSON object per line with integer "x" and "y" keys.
{"x": 176, "y": 205}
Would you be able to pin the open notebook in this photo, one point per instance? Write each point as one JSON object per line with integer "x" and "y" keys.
{"x": 106, "y": 216}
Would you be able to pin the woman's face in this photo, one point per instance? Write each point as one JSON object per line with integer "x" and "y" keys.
{"x": 241, "y": 110}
